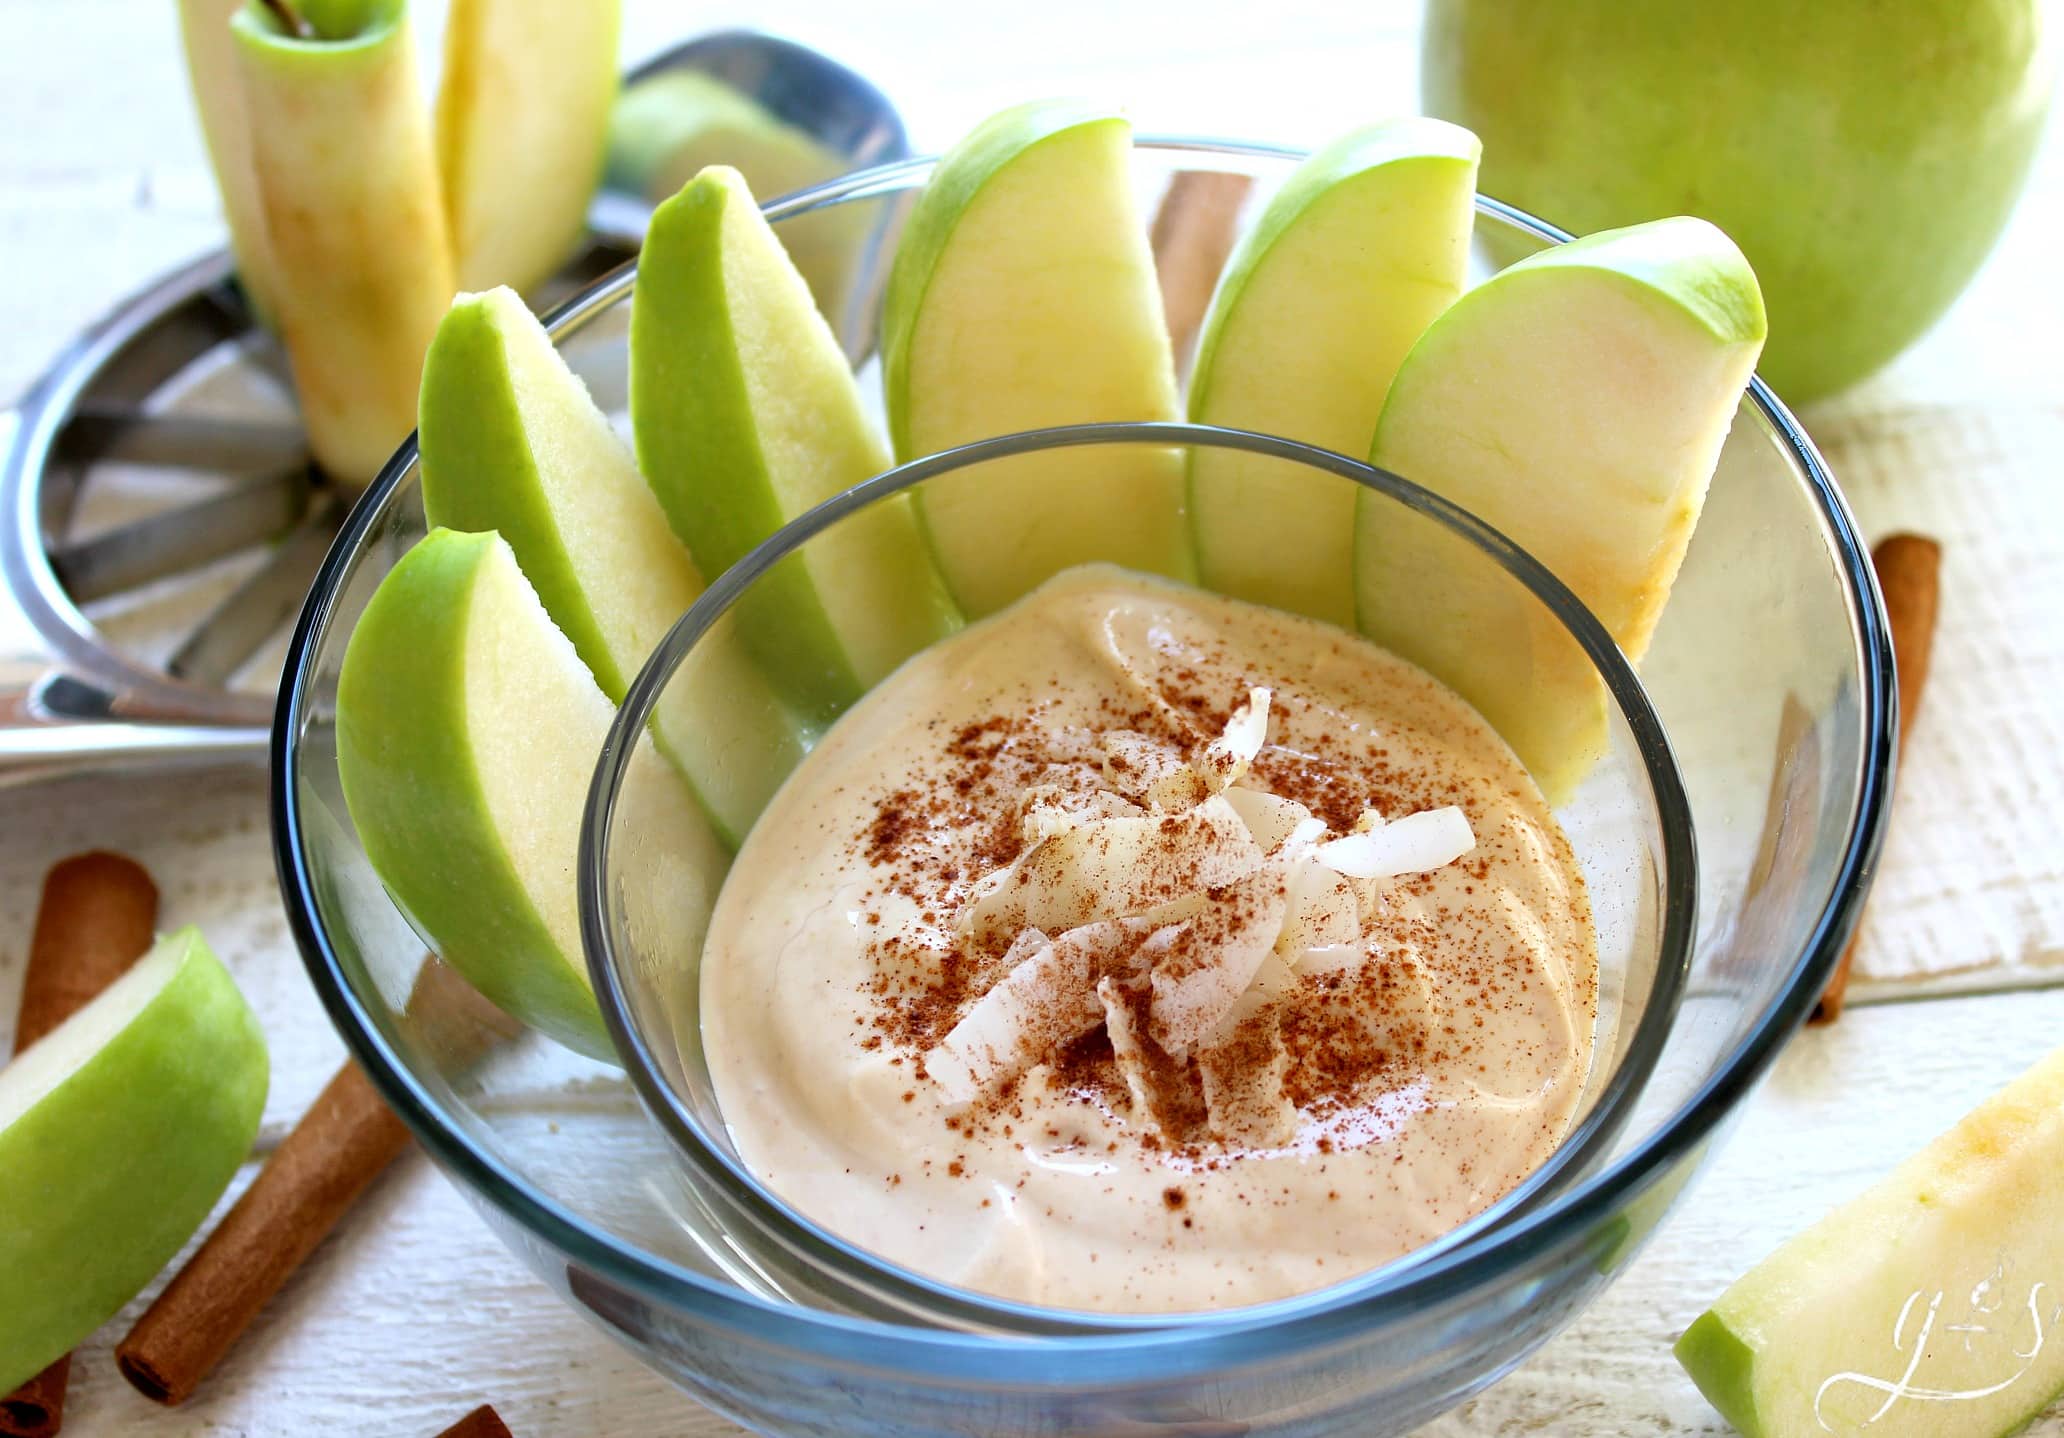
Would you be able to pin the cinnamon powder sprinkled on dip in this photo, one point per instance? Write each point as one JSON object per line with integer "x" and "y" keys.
{"x": 1140, "y": 950}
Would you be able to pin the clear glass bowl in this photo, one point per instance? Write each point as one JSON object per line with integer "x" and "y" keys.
{"x": 1628, "y": 822}
{"x": 1771, "y": 674}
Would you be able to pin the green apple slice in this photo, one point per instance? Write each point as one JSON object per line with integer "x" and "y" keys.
{"x": 1353, "y": 258}
{"x": 670, "y": 127}
{"x": 361, "y": 262}
{"x": 512, "y": 442}
{"x": 467, "y": 733}
{"x": 118, "y": 1131}
{"x": 746, "y": 415}
{"x": 522, "y": 119}
{"x": 1929, "y": 1305}
{"x": 1577, "y": 402}
{"x": 218, "y": 94}
{"x": 1023, "y": 295}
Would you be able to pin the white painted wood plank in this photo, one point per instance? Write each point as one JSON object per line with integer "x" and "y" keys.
{"x": 1973, "y": 877}
{"x": 407, "y": 1317}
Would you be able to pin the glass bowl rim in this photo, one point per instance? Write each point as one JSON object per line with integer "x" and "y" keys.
{"x": 948, "y": 1302}
{"x": 946, "y": 1355}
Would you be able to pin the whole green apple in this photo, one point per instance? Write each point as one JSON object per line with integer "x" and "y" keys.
{"x": 1864, "y": 155}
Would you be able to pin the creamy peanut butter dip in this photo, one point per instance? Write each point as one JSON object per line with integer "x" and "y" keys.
{"x": 1139, "y": 950}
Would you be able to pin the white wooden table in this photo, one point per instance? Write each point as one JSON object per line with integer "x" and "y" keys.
{"x": 412, "y": 1313}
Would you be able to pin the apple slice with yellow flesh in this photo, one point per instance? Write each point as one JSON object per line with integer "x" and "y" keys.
{"x": 467, "y": 734}
{"x": 746, "y": 416}
{"x": 342, "y": 165}
{"x": 1930, "y": 1305}
{"x": 218, "y": 93}
{"x": 1023, "y": 295}
{"x": 118, "y": 1131}
{"x": 1577, "y": 402}
{"x": 668, "y": 128}
{"x": 512, "y": 442}
{"x": 522, "y": 123}
{"x": 1364, "y": 245}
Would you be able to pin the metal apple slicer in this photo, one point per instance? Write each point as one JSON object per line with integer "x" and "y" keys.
{"x": 160, "y": 517}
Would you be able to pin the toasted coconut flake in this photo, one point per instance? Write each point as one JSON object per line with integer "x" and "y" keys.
{"x": 1045, "y": 1000}
{"x": 1105, "y": 868}
{"x": 1049, "y": 809}
{"x": 1225, "y": 759}
{"x": 1243, "y": 1064}
{"x": 1164, "y": 1097}
{"x": 1322, "y": 910}
{"x": 1149, "y": 772}
{"x": 1273, "y": 980}
{"x": 1414, "y": 844}
{"x": 1185, "y": 909}
{"x": 1202, "y": 967}
{"x": 1127, "y": 1044}
{"x": 1268, "y": 817}
{"x": 1299, "y": 841}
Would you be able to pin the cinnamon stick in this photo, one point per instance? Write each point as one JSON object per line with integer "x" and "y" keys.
{"x": 1192, "y": 236}
{"x": 339, "y": 1147}
{"x": 94, "y": 920}
{"x": 482, "y": 1422}
{"x": 347, "y": 1138}
{"x": 1910, "y": 576}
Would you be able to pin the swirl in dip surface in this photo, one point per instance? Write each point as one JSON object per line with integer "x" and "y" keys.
{"x": 1008, "y": 986}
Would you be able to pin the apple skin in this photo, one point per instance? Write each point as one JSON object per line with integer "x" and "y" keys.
{"x": 1972, "y": 1213}
{"x": 501, "y": 452}
{"x": 417, "y": 797}
{"x": 1366, "y": 242}
{"x": 218, "y": 95}
{"x": 354, "y": 224}
{"x": 1864, "y": 156}
{"x": 1724, "y": 1368}
{"x": 1023, "y": 295}
{"x": 512, "y": 442}
{"x": 467, "y": 734}
{"x": 522, "y": 124}
{"x": 1576, "y": 402}
{"x": 747, "y": 416}
{"x": 120, "y": 1160}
